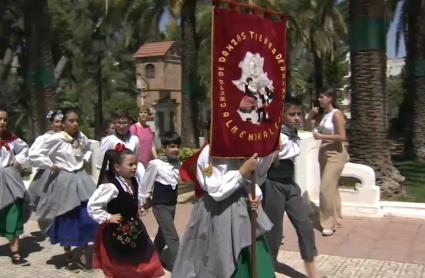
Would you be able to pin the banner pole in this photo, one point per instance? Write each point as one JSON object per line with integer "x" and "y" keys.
{"x": 253, "y": 217}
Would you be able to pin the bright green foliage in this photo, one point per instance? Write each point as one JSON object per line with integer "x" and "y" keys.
{"x": 12, "y": 94}
{"x": 185, "y": 153}
{"x": 413, "y": 171}
{"x": 126, "y": 25}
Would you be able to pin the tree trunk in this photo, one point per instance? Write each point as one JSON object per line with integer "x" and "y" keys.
{"x": 189, "y": 74}
{"x": 318, "y": 74}
{"x": 415, "y": 136}
{"x": 368, "y": 141}
{"x": 40, "y": 76}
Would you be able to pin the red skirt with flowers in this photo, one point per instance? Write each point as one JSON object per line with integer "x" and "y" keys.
{"x": 147, "y": 264}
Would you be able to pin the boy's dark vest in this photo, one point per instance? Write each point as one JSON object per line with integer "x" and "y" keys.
{"x": 282, "y": 171}
{"x": 127, "y": 242}
{"x": 164, "y": 194}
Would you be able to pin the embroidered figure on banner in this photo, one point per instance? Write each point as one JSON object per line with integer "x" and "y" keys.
{"x": 257, "y": 89}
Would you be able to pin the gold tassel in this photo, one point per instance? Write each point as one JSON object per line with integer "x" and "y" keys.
{"x": 209, "y": 168}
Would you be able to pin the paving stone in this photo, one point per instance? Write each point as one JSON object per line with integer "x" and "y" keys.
{"x": 351, "y": 253}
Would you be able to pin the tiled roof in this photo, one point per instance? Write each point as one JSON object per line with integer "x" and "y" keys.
{"x": 156, "y": 49}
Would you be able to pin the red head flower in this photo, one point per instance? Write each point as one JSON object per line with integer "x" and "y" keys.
{"x": 119, "y": 147}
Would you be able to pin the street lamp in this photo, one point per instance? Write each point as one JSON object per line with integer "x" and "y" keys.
{"x": 141, "y": 85}
{"x": 99, "y": 48}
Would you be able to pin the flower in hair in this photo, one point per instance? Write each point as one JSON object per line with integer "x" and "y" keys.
{"x": 59, "y": 115}
{"x": 49, "y": 115}
{"x": 119, "y": 148}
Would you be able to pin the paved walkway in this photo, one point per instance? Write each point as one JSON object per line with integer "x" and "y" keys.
{"x": 363, "y": 247}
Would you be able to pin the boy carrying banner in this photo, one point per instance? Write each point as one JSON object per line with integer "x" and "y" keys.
{"x": 282, "y": 194}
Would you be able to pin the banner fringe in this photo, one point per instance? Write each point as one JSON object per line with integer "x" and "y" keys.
{"x": 249, "y": 8}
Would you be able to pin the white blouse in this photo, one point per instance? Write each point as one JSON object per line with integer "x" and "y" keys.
{"x": 64, "y": 152}
{"x": 97, "y": 204}
{"x": 14, "y": 150}
{"x": 159, "y": 171}
{"x": 326, "y": 124}
{"x": 37, "y": 145}
{"x": 226, "y": 178}
{"x": 109, "y": 142}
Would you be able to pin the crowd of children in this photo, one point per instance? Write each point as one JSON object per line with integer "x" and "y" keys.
{"x": 74, "y": 212}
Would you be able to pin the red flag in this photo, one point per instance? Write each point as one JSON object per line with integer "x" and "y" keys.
{"x": 188, "y": 172}
{"x": 248, "y": 83}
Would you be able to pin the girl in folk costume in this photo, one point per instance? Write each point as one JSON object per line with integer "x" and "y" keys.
{"x": 218, "y": 237}
{"x": 13, "y": 154}
{"x": 122, "y": 135}
{"x": 42, "y": 176}
{"x": 62, "y": 208}
{"x": 123, "y": 247}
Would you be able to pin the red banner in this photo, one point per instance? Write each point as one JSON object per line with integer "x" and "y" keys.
{"x": 248, "y": 83}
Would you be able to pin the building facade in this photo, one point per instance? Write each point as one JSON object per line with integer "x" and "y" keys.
{"x": 158, "y": 77}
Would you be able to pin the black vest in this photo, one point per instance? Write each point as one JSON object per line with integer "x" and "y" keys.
{"x": 164, "y": 194}
{"x": 283, "y": 172}
{"x": 125, "y": 204}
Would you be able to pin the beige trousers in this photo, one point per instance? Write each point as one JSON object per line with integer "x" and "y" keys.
{"x": 332, "y": 158}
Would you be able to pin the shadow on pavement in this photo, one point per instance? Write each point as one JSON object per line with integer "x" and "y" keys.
{"x": 76, "y": 266}
{"x": 28, "y": 245}
{"x": 314, "y": 211}
{"x": 287, "y": 270}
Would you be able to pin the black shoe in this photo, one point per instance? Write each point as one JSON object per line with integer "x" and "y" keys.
{"x": 68, "y": 258}
{"x": 83, "y": 264}
{"x": 18, "y": 260}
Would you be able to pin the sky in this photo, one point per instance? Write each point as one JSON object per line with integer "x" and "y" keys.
{"x": 391, "y": 36}
{"x": 391, "y": 39}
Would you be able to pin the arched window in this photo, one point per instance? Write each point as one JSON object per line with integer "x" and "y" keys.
{"x": 150, "y": 71}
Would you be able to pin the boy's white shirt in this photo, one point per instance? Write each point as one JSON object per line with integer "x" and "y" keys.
{"x": 109, "y": 142}
{"x": 158, "y": 171}
{"x": 226, "y": 178}
{"x": 132, "y": 143}
{"x": 289, "y": 149}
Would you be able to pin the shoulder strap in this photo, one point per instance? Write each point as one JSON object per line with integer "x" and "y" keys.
{"x": 118, "y": 185}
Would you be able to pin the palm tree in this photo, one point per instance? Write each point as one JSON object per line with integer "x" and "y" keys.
{"x": 327, "y": 29}
{"x": 316, "y": 26}
{"x": 409, "y": 28}
{"x": 368, "y": 140}
{"x": 415, "y": 65}
{"x": 40, "y": 60}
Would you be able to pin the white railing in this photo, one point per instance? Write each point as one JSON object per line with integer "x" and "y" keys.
{"x": 362, "y": 199}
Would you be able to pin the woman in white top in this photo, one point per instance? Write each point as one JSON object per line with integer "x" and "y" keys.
{"x": 62, "y": 209}
{"x": 13, "y": 154}
{"x": 332, "y": 158}
{"x": 42, "y": 176}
